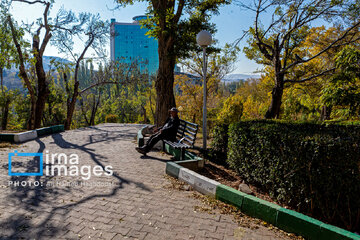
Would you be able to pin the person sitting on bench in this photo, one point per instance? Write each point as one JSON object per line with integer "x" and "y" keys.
{"x": 166, "y": 132}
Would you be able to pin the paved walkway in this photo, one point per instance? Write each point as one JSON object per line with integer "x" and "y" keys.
{"x": 134, "y": 204}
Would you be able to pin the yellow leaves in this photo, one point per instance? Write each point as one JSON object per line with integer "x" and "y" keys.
{"x": 254, "y": 109}
{"x": 150, "y": 104}
{"x": 319, "y": 38}
{"x": 250, "y": 101}
{"x": 232, "y": 110}
{"x": 189, "y": 95}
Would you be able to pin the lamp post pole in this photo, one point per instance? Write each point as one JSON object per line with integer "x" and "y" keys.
{"x": 205, "y": 98}
{"x": 204, "y": 39}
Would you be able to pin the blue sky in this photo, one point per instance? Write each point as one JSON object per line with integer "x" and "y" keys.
{"x": 231, "y": 22}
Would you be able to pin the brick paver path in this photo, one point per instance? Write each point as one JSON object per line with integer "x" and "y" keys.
{"x": 133, "y": 205}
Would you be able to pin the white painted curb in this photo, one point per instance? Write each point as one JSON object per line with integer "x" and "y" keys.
{"x": 25, "y": 136}
{"x": 200, "y": 183}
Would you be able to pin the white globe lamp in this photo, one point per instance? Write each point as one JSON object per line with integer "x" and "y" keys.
{"x": 204, "y": 38}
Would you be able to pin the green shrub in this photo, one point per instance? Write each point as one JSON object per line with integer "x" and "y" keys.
{"x": 111, "y": 118}
{"x": 231, "y": 111}
{"x": 219, "y": 144}
{"x": 312, "y": 168}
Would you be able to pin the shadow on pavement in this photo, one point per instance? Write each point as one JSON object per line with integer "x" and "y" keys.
{"x": 31, "y": 220}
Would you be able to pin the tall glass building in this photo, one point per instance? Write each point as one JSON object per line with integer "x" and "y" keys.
{"x": 129, "y": 42}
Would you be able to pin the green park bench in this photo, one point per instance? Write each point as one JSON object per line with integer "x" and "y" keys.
{"x": 186, "y": 136}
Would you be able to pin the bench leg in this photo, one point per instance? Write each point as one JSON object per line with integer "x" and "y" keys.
{"x": 182, "y": 155}
{"x": 141, "y": 142}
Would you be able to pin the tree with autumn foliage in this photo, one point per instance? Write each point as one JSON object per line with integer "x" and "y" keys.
{"x": 343, "y": 90}
{"x": 95, "y": 31}
{"x": 278, "y": 43}
{"x": 175, "y": 25}
{"x": 305, "y": 101}
{"x": 189, "y": 94}
{"x": 7, "y": 60}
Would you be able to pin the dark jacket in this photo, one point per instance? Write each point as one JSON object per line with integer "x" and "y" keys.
{"x": 170, "y": 128}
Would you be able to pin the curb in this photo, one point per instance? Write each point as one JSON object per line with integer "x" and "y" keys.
{"x": 50, "y": 130}
{"x": 198, "y": 182}
{"x": 285, "y": 219}
{"x": 173, "y": 169}
{"x": 30, "y": 135}
{"x": 25, "y": 136}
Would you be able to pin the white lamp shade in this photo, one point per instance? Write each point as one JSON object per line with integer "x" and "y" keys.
{"x": 204, "y": 38}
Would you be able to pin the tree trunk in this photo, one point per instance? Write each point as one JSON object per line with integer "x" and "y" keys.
{"x": 84, "y": 112}
{"x": 94, "y": 109}
{"x": 24, "y": 75}
{"x": 71, "y": 102}
{"x": 71, "y": 106}
{"x": 276, "y": 97}
{"x": 51, "y": 115}
{"x": 5, "y": 115}
{"x": 6, "y": 103}
{"x": 325, "y": 113}
{"x": 43, "y": 93}
{"x": 42, "y": 86}
{"x": 31, "y": 121}
{"x": 151, "y": 108}
{"x": 164, "y": 83}
{"x": 277, "y": 92}
{"x": 2, "y": 79}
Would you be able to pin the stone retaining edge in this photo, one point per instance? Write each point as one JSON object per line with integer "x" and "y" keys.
{"x": 25, "y": 136}
{"x": 200, "y": 183}
{"x": 285, "y": 219}
{"x": 30, "y": 135}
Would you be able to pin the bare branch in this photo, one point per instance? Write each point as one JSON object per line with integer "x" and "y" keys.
{"x": 274, "y": 22}
{"x": 48, "y": 34}
{"x": 261, "y": 44}
{"x": 311, "y": 77}
{"x": 331, "y": 45}
{"x": 237, "y": 41}
{"x": 23, "y": 73}
{"x": 301, "y": 22}
{"x": 30, "y": 2}
{"x": 98, "y": 84}
{"x": 90, "y": 42}
{"x": 179, "y": 11}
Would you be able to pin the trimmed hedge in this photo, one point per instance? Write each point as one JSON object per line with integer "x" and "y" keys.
{"x": 219, "y": 144}
{"x": 312, "y": 168}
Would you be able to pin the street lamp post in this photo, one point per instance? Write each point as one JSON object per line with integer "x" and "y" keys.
{"x": 204, "y": 39}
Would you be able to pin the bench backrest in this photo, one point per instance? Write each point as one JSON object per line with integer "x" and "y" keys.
{"x": 187, "y": 132}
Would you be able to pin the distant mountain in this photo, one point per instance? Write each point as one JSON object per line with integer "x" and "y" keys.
{"x": 12, "y": 80}
{"x": 238, "y": 77}
{"x": 47, "y": 61}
